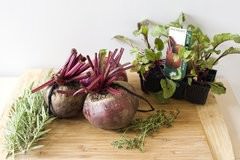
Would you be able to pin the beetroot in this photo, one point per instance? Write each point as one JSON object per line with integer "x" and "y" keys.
{"x": 109, "y": 106}
{"x": 110, "y": 111}
{"x": 62, "y": 86}
{"x": 63, "y": 105}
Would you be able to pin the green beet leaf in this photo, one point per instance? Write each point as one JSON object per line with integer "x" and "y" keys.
{"x": 125, "y": 40}
{"x": 218, "y": 88}
{"x": 144, "y": 30}
{"x": 159, "y": 31}
{"x": 168, "y": 87}
{"x": 151, "y": 56}
{"x": 159, "y": 44}
{"x": 223, "y": 37}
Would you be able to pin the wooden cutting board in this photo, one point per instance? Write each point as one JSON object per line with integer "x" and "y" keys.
{"x": 199, "y": 133}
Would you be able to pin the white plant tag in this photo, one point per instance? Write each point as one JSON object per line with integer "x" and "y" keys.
{"x": 178, "y": 34}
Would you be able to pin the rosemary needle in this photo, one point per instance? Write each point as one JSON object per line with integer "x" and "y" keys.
{"x": 27, "y": 123}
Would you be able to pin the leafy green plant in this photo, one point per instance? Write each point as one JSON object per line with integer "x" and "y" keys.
{"x": 207, "y": 53}
{"x": 28, "y": 119}
{"x": 204, "y": 52}
{"x": 150, "y": 58}
{"x": 145, "y": 127}
{"x": 146, "y": 57}
{"x": 160, "y": 30}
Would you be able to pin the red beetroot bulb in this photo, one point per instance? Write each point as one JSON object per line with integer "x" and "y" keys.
{"x": 60, "y": 88}
{"x": 110, "y": 111}
{"x": 107, "y": 105}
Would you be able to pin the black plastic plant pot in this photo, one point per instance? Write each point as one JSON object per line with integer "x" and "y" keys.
{"x": 150, "y": 80}
{"x": 151, "y": 84}
{"x": 180, "y": 89}
{"x": 211, "y": 75}
{"x": 207, "y": 75}
{"x": 197, "y": 93}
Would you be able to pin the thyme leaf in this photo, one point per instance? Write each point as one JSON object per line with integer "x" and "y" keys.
{"x": 144, "y": 127}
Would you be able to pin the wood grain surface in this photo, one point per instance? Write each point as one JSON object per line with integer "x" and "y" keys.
{"x": 199, "y": 133}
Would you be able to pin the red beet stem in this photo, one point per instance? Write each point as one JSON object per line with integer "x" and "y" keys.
{"x": 119, "y": 56}
{"x": 93, "y": 85}
{"x": 64, "y": 68}
{"x": 119, "y": 72}
{"x": 81, "y": 58}
{"x": 74, "y": 69}
{"x": 110, "y": 80}
{"x": 119, "y": 68}
{"x": 114, "y": 53}
{"x": 90, "y": 62}
{"x": 106, "y": 71}
{"x": 80, "y": 91}
{"x": 79, "y": 77}
{"x": 116, "y": 61}
{"x": 83, "y": 68}
{"x": 96, "y": 67}
{"x": 113, "y": 91}
{"x": 70, "y": 64}
{"x": 48, "y": 83}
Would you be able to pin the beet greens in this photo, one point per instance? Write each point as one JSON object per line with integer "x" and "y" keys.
{"x": 106, "y": 70}
{"x": 73, "y": 71}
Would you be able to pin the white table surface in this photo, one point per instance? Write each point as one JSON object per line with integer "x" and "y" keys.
{"x": 228, "y": 105}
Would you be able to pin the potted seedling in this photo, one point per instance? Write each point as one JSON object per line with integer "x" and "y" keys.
{"x": 202, "y": 54}
{"x": 177, "y": 55}
{"x": 63, "y": 84}
{"x": 149, "y": 61}
{"x": 149, "y": 64}
{"x": 207, "y": 54}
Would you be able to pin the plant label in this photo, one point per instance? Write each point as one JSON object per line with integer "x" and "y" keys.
{"x": 178, "y": 34}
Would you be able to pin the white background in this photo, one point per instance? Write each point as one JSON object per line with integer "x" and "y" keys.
{"x": 36, "y": 34}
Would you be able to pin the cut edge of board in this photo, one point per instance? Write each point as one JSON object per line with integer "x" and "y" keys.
{"x": 216, "y": 130}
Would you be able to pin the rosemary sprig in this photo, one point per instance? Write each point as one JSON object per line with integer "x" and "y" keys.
{"x": 27, "y": 123}
{"x": 144, "y": 128}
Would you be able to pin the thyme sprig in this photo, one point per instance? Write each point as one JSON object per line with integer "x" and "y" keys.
{"x": 27, "y": 123}
{"x": 145, "y": 127}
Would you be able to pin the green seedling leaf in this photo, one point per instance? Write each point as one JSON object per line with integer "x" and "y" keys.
{"x": 136, "y": 33}
{"x": 159, "y": 31}
{"x": 223, "y": 37}
{"x": 179, "y": 22}
{"x": 158, "y": 55}
{"x": 159, "y": 44}
{"x": 193, "y": 73}
{"x": 134, "y": 51}
{"x": 184, "y": 54}
{"x": 125, "y": 40}
{"x": 168, "y": 87}
{"x": 218, "y": 88}
{"x": 151, "y": 56}
{"x": 144, "y": 30}
{"x": 189, "y": 81}
{"x": 231, "y": 50}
